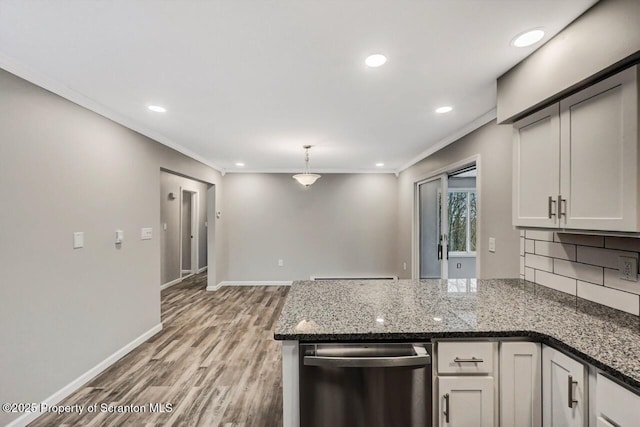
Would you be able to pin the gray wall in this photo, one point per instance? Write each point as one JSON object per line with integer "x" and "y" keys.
{"x": 343, "y": 225}
{"x": 493, "y": 144}
{"x": 170, "y": 215}
{"x": 66, "y": 169}
{"x": 601, "y": 38}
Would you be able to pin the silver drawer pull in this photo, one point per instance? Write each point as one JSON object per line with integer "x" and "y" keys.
{"x": 570, "y": 383}
{"x": 472, "y": 360}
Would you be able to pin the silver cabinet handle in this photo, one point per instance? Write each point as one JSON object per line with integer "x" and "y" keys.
{"x": 472, "y": 360}
{"x": 445, "y": 412}
{"x": 559, "y": 205}
{"x": 570, "y": 384}
{"x": 551, "y": 210}
{"x": 421, "y": 358}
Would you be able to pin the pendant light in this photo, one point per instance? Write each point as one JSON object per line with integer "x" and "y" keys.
{"x": 306, "y": 178}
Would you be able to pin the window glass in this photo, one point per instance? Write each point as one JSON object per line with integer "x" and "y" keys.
{"x": 472, "y": 219}
{"x": 458, "y": 221}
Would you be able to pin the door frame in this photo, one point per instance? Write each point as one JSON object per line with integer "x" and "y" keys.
{"x": 415, "y": 223}
{"x": 194, "y": 229}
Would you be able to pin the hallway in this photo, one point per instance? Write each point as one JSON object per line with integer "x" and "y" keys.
{"x": 215, "y": 362}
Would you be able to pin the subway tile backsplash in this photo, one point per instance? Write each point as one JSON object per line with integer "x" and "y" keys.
{"x": 582, "y": 265}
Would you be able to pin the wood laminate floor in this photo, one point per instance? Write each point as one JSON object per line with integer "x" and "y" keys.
{"x": 215, "y": 361}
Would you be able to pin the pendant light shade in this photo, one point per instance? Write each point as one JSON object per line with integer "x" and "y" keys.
{"x": 307, "y": 178}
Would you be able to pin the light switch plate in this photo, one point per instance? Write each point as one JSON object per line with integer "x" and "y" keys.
{"x": 146, "y": 234}
{"x": 119, "y": 236}
{"x": 628, "y": 268}
{"x": 492, "y": 244}
{"x": 78, "y": 240}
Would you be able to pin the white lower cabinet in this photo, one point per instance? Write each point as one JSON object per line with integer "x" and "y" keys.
{"x": 615, "y": 405}
{"x": 466, "y": 401}
{"x": 520, "y": 384}
{"x": 564, "y": 390}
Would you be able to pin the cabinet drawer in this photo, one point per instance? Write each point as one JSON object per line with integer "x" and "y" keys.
{"x": 465, "y": 357}
{"x": 616, "y": 403}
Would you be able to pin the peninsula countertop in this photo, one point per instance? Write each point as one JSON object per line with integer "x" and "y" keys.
{"x": 392, "y": 310}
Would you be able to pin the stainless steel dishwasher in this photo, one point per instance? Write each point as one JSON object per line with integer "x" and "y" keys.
{"x": 372, "y": 385}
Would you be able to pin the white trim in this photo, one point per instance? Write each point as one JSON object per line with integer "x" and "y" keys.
{"x": 477, "y": 123}
{"x": 60, "y": 89}
{"x": 200, "y": 270}
{"x": 250, "y": 283}
{"x": 319, "y": 171}
{"x": 186, "y": 271}
{"x": 363, "y": 277}
{"x": 290, "y": 384}
{"x": 171, "y": 283}
{"x": 74, "y": 385}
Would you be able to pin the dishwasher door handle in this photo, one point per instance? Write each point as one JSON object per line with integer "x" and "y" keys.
{"x": 421, "y": 358}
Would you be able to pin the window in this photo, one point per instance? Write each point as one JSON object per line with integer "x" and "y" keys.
{"x": 462, "y": 222}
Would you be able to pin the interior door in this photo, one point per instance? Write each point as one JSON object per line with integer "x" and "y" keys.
{"x": 433, "y": 222}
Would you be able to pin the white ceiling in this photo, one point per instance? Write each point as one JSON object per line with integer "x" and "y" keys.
{"x": 253, "y": 81}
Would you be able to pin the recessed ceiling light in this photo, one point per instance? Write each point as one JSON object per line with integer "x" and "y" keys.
{"x": 528, "y": 38}
{"x": 157, "y": 108}
{"x": 240, "y": 164}
{"x": 380, "y": 164}
{"x": 444, "y": 109}
{"x": 375, "y": 60}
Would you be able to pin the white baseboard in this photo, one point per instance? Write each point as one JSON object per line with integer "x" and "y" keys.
{"x": 250, "y": 283}
{"x": 202, "y": 269}
{"x": 186, "y": 271}
{"x": 74, "y": 385}
{"x": 171, "y": 283}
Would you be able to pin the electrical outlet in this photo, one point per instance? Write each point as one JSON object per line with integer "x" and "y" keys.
{"x": 628, "y": 268}
{"x": 492, "y": 244}
{"x": 280, "y": 263}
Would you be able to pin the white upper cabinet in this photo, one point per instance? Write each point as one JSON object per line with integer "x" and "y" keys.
{"x": 576, "y": 162}
{"x": 536, "y": 169}
{"x": 599, "y": 158}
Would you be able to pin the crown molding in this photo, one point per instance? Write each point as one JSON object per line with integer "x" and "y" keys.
{"x": 27, "y": 73}
{"x": 477, "y": 123}
{"x": 318, "y": 171}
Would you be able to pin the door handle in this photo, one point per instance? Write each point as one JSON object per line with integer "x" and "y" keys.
{"x": 421, "y": 358}
{"x": 570, "y": 384}
{"x": 439, "y": 251}
{"x": 445, "y": 412}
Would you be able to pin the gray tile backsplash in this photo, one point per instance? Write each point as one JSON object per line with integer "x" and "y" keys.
{"x": 582, "y": 265}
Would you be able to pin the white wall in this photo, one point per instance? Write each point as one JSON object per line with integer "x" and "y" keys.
{"x": 343, "y": 225}
{"x": 493, "y": 144}
{"x": 66, "y": 169}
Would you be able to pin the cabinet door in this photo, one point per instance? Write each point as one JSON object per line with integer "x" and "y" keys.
{"x": 466, "y": 401}
{"x": 564, "y": 393}
{"x": 599, "y": 155}
{"x": 616, "y": 403}
{"x": 520, "y": 384}
{"x": 536, "y": 169}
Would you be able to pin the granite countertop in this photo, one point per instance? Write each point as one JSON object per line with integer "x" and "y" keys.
{"x": 381, "y": 310}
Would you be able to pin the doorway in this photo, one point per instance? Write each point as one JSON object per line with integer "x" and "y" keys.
{"x": 188, "y": 232}
{"x": 446, "y": 219}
